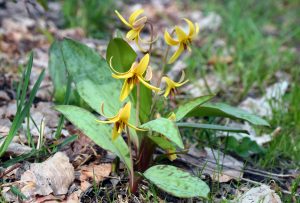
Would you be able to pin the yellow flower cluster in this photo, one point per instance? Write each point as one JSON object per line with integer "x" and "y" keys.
{"x": 136, "y": 73}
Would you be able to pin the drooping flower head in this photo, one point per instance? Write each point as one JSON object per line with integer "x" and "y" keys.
{"x": 135, "y": 25}
{"x": 172, "y": 86}
{"x": 134, "y": 76}
{"x": 183, "y": 40}
{"x": 121, "y": 120}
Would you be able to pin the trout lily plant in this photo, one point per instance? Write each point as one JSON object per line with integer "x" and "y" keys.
{"x": 128, "y": 114}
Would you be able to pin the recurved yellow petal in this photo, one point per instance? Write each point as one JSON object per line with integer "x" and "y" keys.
{"x": 156, "y": 89}
{"x": 136, "y": 128}
{"x": 134, "y": 15}
{"x": 122, "y": 19}
{"x": 122, "y": 75}
{"x": 169, "y": 40}
{"x": 111, "y": 120}
{"x": 143, "y": 64}
{"x": 180, "y": 34}
{"x": 176, "y": 54}
{"x": 191, "y": 27}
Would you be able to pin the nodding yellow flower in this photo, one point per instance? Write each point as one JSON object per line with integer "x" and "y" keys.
{"x": 183, "y": 40}
{"x": 171, "y": 85}
{"x": 134, "y": 76}
{"x": 121, "y": 120}
{"x": 135, "y": 25}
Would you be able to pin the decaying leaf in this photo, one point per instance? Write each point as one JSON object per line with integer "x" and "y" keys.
{"x": 273, "y": 99}
{"x": 262, "y": 194}
{"x": 93, "y": 172}
{"x": 51, "y": 176}
{"x": 220, "y": 167}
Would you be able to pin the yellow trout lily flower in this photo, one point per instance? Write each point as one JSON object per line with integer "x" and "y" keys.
{"x": 171, "y": 85}
{"x": 135, "y": 25}
{"x": 121, "y": 120}
{"x": 134, "y": 76}
{"x": 183, "y": 40}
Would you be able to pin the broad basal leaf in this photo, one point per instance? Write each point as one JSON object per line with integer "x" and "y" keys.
{"x": 92, "y": 76}
{"x": 57, "y": 71}
{"x": 167, "y": 128}
{"x": 93, "y": 79}
{"x": 121, "y": 53}
{"x": 224, "y": 110}
{"x": 184, "y": 109}
{"x": 176, "y": 181}
{"x": 99, "y": 133}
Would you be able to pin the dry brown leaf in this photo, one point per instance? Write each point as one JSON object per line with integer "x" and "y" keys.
{"x": 95, "y": 172}
{"x": 4, "y": 126}
{"x": 74, "y": 197}
{"x": 51, "y": 176}
{"x": 220, "y": 60}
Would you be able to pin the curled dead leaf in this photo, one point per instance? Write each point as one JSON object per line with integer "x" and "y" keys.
{"x": 51, "y": 176}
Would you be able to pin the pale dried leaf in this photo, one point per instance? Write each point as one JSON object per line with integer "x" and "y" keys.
{"x": 51, "y": 176}
{"x": 262, "y": 194}
{"x": 95, "y": 172}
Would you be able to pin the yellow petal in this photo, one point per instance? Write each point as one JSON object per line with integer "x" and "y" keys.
{"x": 156, "y": 89}
{"x": 180, "y": 34}
{"x": 134, "y": 15}
{"x": 176, "y": 54}
{"x": 169, "y": 40}
{"x": 132, "y": 34}
{"x": 191, "y": 27}
{"x": 138, "y": 129}
{"x": 105, "y": 122}
{"x": 125, "y": 112}
{"x": 143, "y": 64}
{"x": 122, "y": 19}
{"x": 197, "y": 28}
{"x": 180, "y": 84}
{"x": 115, "y": 133}
{"x": 169, "y": 81}
{"x": 171, "y": 154}
{"x": 172, "y": 117}
{"x": 167, "y": 92}
{"x": 122, "y": 76}
{"x": 118, "y": 74}
{"x": 125, "y": 90}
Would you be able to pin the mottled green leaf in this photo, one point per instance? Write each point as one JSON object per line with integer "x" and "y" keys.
{"x": 224, "y": 110}
{"x": 99, "y": 133}
{"x": 91, "y": 76}
{"x": 187, "y": 107}
{"x": 93, "y": 79}
{"x": 121, "y": 53}
{"x": 167, "y": 128}
{"x": 176, "y": 181}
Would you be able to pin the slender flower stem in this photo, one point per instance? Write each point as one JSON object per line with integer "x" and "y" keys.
{"x": 131, "y": 179}
{"x": 151, "y": 39}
